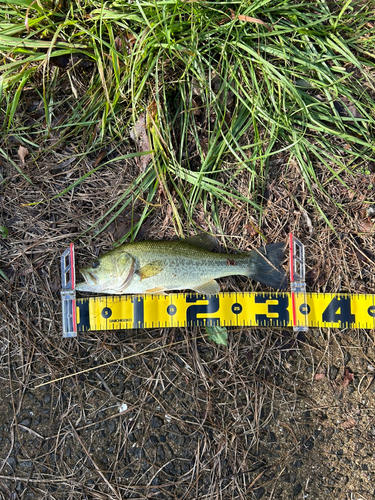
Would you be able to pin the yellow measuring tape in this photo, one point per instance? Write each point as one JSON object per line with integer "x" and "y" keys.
{"x": 226, "y": 309}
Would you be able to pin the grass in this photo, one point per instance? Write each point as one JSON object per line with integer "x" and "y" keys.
{"x": 243, "y": 122}
{"x": 227, "y": 88}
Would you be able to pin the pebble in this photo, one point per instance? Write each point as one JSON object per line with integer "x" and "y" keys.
{"x": 259, "y": 492}
{"x": 111, "y": 426}
{"x": 20, "y": 486}
{"x": 308, "y": 445}
{"x": 156, "y": 422}
{"x": 176, "y": 438}
{"x": 297, "y": 489}
{"x": 12, "y": 462}
{"x": 272, "y": 437}
{"x": 333, "y": 372}
{"x": 26, "y": 422}
{"x": 26, "y": 465}
{"x": 160, "y": 455}
{"x": 154, "y": 440}
{"x": 127, "y": 473}
{"x": 297, "y": 464}
{"x": 47, "y": 398}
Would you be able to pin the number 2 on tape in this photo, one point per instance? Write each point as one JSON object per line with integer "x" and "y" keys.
{"x": 211, "y": 308}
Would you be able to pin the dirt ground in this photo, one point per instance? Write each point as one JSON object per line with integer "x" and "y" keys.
{"x": 273, "y": 415}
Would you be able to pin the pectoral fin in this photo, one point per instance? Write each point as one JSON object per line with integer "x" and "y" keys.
{"x": 210, "y": 288}
{"x": 150, "y": 270}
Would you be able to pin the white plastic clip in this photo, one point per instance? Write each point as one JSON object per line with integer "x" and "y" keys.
{"x": 68, "y": 294}
{"x": 298, "y": 285}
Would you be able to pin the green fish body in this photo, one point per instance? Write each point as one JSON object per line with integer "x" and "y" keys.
{"x": 160, "y": 266}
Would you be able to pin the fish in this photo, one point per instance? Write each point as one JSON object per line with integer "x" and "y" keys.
{"x": 157, "y": 267}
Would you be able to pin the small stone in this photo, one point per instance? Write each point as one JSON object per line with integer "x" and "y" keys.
{"x": 26, "y": 465}
{"x": 138, "y": 452}
{"x": 286, "y": 477}
{"x": 162, "y": 438}
{"x": 297, "y": 464}
{"x": 112, "y": 426}
{"x": 26, "y": 422}
{"x": 259, "y": 492}
{"x": 154, "y": 440}
{"x": 333, "y": 372}
{"x": 308, "y": 445}
{"x": 297, "y": 489}
{"x": 132, "y": 438}
{"x": 12, "y": 462}
{"x": 160, "y": 455}
{"x": 20, "y": 486}
{"x": 272, "y": 437}
{"x": 156, "y": 422}
{"x": 47, "y": 398}
{"x": 176, "y": 438}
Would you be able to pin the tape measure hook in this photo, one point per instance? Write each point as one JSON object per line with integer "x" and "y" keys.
{"x": 68, "y": 293}
{"x": 297, "y": 278}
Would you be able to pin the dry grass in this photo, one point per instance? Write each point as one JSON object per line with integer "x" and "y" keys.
{"x": 202, "y": 422}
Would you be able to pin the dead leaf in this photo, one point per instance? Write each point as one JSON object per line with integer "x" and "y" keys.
{"x": 366, "y": 226}
{"x": 319, "y": 376}
{"x": 249, "y": 19}
{"x": 139, "y": 135}
{"x": 346, "y": 108}
{"x": 348, "y": 377}
{"x": 118, "y": 44}
{"x": 349, "y": 424}
{"x": 22, "y": 153}
{"x": 100, "y": 156}
{"x": 125, "y": 42}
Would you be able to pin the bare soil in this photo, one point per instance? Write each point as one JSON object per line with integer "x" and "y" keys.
{"x": 273, "y": 415}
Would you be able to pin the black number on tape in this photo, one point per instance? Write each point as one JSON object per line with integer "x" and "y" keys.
{"x": 210, "y": 308}
{"x": 339, "y": 311}
{"x": 281, "y": 308}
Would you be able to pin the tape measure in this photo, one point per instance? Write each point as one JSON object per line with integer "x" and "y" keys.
{"x": 226, "y": 309}
{"x": 298, "y": 309}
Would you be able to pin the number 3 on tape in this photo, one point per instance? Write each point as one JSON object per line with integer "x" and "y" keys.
{"x": 277, "y": 312}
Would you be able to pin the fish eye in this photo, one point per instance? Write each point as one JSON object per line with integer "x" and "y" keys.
{"x": 95, "y": 264}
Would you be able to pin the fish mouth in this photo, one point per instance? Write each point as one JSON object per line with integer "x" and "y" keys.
{"x": 91, "y": 280}
{"x": 89, "y": 277}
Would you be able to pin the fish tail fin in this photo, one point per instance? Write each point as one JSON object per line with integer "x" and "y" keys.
{"x": 265, "y": 265}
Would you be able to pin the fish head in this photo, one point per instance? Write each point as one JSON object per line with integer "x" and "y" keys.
{"x": 110, "y": 273}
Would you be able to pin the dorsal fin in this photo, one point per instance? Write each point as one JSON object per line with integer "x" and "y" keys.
{"x": 203, "y": 240}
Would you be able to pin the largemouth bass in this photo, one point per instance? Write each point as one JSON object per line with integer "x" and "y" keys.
{"x": 160, "y": 266}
